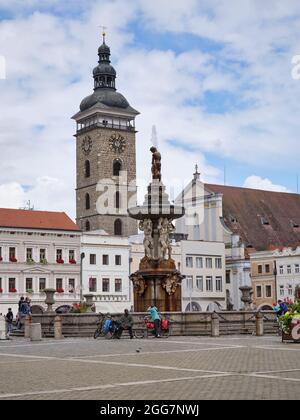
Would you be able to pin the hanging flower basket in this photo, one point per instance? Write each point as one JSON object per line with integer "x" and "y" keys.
{"x": 30, "y": 261}
{"x": 12, "y": 290}
{"x": 72, "y": 261}
{"x": 1, "y": 290}
{"x": 13, "y": 259}
{"x": 60, "y": 261}
{"x": 60, "y": 291}
{"x": 1, "y": 259}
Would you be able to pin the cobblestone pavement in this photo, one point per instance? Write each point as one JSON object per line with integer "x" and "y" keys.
{"x": 176, "y": 368}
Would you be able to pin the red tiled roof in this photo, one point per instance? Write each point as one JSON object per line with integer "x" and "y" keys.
{"x": 244, "y": 210}
{"x": 29, "y": 219}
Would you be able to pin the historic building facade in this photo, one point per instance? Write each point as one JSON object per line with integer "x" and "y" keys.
{"x": 105, "y": 271}
{"x": 275, "y": 275}
{"x": 246, "y": 220}
{"x": 106, "y": 155}
{"x": 38, "y": 250}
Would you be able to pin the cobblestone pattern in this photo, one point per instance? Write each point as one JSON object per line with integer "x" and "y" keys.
{"x": 172, "y": 369}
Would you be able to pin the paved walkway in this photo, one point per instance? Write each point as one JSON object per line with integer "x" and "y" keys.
{"x": 176, "y": 368}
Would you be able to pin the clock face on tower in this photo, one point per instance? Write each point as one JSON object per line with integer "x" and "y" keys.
{"x": 117, "y": 143}
{"x": 87, "y": 145}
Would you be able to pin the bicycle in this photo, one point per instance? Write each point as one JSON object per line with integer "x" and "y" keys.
{"x": 104, "y": 327}
{"x": 149, "y": 329}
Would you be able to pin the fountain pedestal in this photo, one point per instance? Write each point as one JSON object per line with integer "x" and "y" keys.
{"x": 157, "y": 282}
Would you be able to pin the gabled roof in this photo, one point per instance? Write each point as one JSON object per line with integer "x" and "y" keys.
{"x": 31, "y": 219}
{"x": 263, "y": 219}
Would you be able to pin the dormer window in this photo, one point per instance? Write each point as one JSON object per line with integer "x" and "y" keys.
{"x": 264, "y": 221}
{"x": 232, "y": 218}
{"x": 294, "y": 224}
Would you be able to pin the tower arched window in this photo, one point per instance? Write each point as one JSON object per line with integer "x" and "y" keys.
{"x": 87, "y": 201}
{"x": 118, "y": 228}
{"x": 117, "y": 200}
{"x": 87, "y": 226}
{"x": 117, "y": 167}
{"x": 87, "y": 169}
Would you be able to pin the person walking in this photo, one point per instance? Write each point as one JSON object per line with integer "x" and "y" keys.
{"x": 9, "y": 320}
{"x": 153, "y": 311}
{"x": 125, "y": 323}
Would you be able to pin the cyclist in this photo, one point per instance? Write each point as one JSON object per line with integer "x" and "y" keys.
{"x": 153, "y": 311}
{"x": 125, "y": 323}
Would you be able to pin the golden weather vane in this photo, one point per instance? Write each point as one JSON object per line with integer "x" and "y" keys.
{"x": 103, "y": 33}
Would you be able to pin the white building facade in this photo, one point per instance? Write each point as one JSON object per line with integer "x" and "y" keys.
{"x": 34, "y": 259}
{"x": 203, "y": 221}
{"x": 105, "y": 271}
{"x": 204, "y": 287}
{"x": 288, "y": 271}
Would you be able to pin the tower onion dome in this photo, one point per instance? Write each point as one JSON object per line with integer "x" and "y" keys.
{"x": 105, "y": 92}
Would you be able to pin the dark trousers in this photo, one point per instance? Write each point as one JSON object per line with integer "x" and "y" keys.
{"x": 157, "y": 327}
{"x": 121, "y": 329}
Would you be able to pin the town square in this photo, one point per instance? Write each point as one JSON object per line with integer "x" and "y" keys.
{"x": 149, "y": 202}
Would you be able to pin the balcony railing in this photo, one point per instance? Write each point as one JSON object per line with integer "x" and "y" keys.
{"x": 115, "y": 126}
{"x": 110, "y": 298}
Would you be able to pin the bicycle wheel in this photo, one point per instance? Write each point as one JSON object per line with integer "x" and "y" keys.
{"x": 139, "y": 334}
{"x": 97, "y": 334}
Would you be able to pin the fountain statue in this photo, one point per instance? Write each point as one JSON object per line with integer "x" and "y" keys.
{"x": 157, "y": 281}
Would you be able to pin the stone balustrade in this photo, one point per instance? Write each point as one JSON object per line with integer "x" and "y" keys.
{"x": 183, "y": 323}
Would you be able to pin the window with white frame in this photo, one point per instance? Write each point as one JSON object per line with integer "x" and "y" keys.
{"x": 219, "y": 284}
{"x": 59, "y": 284}
{"x": 268, "y": 291}
{"x": 199, "y": 262}
{"x": 281, "y": 291}
{"x": 42, "y": 254}
{"x": 118, "y": 285}
{"x": 281, "y": 269}
{"x": 29, "y": 285}
{"x": 118, "y": 260}
{"x": 59, "y": 254}
{"x": 297, "y": 269}
{"x": 71, "y": 284}
{"x": 209, "y": 284}
{"x": 260, "y": 269}
{"x": 42, "y": 284}
{"x": 12, "y": 253}
{"x": 105, "y": 259}
{"x": 11, "y": 284}
{"x": 71, "y": 255}
{"x": 93, "y": 284}
{"x": 189, "y": 282}
{"x": 105, "y": 285}
{"x": 290, "y": 289}
{"x": 92, "y": 259}
{"x": 189, "y": 262}
{"x": 218, "y": 262}
{"x": 199, "y": 283}
{"x": 208, "y": 262}
{"x": 258, "y": 291}
{"x": 267, "y": 268}
{"x": 29, "y": 254}
{"x": 289, "y": 269}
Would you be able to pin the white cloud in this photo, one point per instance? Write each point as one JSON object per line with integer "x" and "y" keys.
{"x": 258, "y": 183}
{"x": 49, "y": 63}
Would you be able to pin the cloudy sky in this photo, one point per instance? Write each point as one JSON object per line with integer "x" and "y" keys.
{"x": 214, "y": 76}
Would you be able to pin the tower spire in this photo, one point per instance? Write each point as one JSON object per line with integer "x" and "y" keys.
{"x": 196, "y": 174}
{"x": 104, "y": 74}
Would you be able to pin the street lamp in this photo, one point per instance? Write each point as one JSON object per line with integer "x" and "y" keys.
{"x": 82, "y": 256}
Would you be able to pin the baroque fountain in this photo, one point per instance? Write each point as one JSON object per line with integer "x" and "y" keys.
{"x": 158, "y": 280}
